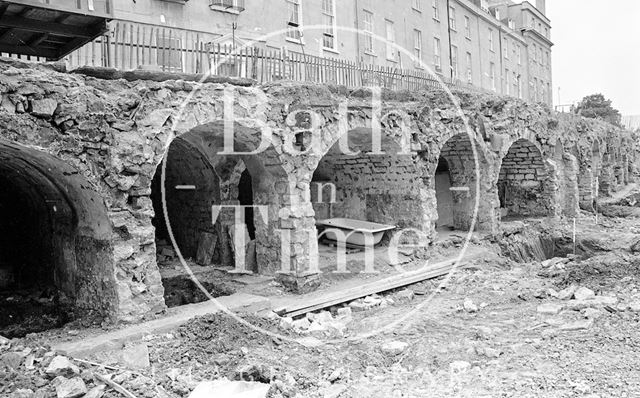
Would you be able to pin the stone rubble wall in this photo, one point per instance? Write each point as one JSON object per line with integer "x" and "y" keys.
{"x": 115, "y": 133}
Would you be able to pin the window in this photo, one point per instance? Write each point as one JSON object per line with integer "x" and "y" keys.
{"x": 539, "y": 51}
{"x": 391, "y": 40}
{"x": 294, "y": 21}
{"x": 368, "y": 31}
{"x": 516, "y": 90}
{"x": 507, "y": 82}
{"x": 548, "y": 59}
{"x": 452, "y": 18}
{"x": 329, "y": 22}
{"x": 417, "y": 45}
{"x": 436, "y": 10}
{"x": 437, "y": 61}
{"x": 417, "y": 5}
{"x": 236, "y": 6}
{"x": 492, "y": 75}
{"x": 519, "y": 51}
{"x": 512, "y": 24}
{"x": 484, "y": 4}
{"x": 469, "y": 70}
{"x": 546, "y": 32}
{"x": 519, "y": 83}
{"x": 491, "y": 40}
{"x": 535, "y": 89}
{"x": 505, "y": 49}
{"x": 467, "y": 27}
{"x": 535, "y": 53}
{"x": 454, "y": 62}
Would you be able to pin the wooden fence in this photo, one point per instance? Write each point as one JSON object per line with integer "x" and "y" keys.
{"x": 130, "y": 46}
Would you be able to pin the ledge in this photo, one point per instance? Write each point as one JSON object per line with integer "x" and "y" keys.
{"x": 159, "y": 76}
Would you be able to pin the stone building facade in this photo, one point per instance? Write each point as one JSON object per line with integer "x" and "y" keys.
{"x": 499, "y": 46}
{"x": 82, "y": 151}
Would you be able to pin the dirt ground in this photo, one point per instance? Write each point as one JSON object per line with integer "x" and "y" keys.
{"x": 498, "y": 328}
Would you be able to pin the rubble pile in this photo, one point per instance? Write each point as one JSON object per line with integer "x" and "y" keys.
{"x": 28, "y": 372}
{"x": 165, "y": 252}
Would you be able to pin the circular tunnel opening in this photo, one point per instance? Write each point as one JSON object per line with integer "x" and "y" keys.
{"x": 56, "y": 260}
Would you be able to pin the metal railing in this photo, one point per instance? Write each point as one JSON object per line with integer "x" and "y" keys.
{"x": 131, "y": 46}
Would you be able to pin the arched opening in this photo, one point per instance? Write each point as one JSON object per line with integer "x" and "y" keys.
{"x": 205, "y": 192}
{"x": 56, "y": 256}
{"x": 524, "y": 188}
{"x": 191, "y": 188}
{"x": 245, "y": 197}
{"x": 444, "y": 196}
{"x": 456, "y": 186}
{"x": 369, "y": 191}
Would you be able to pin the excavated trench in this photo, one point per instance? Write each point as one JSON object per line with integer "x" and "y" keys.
{"x": 182, "y": 290}
{"x": 539, "y": 244}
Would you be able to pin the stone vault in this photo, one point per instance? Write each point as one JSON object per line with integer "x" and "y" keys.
{"x": 84, "y": 155}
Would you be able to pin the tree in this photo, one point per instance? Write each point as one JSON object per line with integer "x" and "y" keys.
{"x": 596, "y": 106}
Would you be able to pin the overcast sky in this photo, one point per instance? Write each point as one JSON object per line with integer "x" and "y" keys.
{"x": 597, "y": 49}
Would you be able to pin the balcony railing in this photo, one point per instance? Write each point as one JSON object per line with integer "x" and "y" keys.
{"x": 102, "y": 8}
{"x": 235, "y": 5}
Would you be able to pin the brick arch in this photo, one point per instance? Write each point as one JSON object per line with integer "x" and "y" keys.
{"x": 526, "y": 183}
{"x": 184, "y": 165}
{"x": 270, "y": 182}
{"x": 465, "y": 193}
{"x": 56, "y": 235}
{"x": 379, "y": 187}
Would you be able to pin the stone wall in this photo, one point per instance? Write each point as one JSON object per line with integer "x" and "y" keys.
{"x": 188, "y": 210}
{"x": 386, "y": 189}
{"x": 525, "y": 186}
{"x": 111, "y": 135}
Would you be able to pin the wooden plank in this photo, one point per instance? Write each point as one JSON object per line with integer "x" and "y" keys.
{"x": 131, "y": 60}
{"x": 391, "y": 283}
{"x": 138, "y": 42}
{"x": 115, "y": 45}
{"x": 26, "y": 50}
{"x": 367, "y": 291}
{"x": 34, "y": 25}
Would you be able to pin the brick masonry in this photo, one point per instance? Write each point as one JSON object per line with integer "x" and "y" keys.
{"x": 113, "y": 134}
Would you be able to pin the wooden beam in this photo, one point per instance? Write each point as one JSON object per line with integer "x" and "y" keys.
{"x": 100, "y": 28}
{"x": 22, "y": 13}
{"x": 3, "y": 8}
{"x": 26, "y": 50}
{"x": 70, "y": 47}
{"x": 393, "y": 282}
{"x": 34, "y": 25}
{"x": 62, "y": 18}
{"x": 35, "y": 42}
